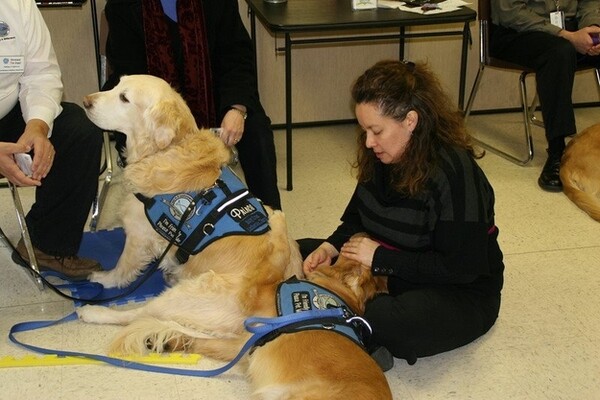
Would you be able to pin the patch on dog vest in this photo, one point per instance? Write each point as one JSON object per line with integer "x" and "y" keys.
{"x": 294, "y": 296}
{"x": 227, "y": 208}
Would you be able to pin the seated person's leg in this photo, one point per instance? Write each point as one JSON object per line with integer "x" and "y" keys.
{"x": 554, "y": 60}
{"x": 63, "y": 201}
{"x": 424, "y": 322}
{"x": 554, "y": 82}
{"x": 258, "y": 159}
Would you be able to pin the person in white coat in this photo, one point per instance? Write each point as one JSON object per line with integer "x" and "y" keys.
{"x": 64, "y": 146}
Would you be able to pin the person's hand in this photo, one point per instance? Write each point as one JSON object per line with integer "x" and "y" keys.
{"x": 9, "y": 168}
{"x": 361, "y": 249}
{"x": 35, "y": 136}
{"x": 324, "y": 254}
{"x": 232, "y": 126}
{"x": 582, "y": 40}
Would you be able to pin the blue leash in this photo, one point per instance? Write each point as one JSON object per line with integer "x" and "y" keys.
{"x": 260, "y": 327}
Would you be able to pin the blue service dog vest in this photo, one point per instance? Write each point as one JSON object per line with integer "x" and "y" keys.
{"x": 227, "y": 208}
{"x": 294, "y": 296}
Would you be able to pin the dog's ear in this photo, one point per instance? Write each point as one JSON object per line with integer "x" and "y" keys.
{"x": 163, "y": 121}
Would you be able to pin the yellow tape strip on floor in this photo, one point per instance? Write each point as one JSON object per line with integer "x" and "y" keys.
{"x": 53, "y": 360}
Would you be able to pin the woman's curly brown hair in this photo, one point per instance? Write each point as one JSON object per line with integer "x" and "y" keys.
{"x": 395, "y": 88}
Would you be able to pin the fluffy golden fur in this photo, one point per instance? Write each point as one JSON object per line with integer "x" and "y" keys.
{"x": 320, "y": 364}
{"x": 580, "y": 171}
{"x": 167, "y": 153}
{"x": 205, "y": 315}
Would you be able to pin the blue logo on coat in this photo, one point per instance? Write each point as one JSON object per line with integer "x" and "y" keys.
{"x": 4, "y": 29}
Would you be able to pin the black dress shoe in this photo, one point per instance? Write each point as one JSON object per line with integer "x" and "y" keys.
{"x": 549, "y": 180}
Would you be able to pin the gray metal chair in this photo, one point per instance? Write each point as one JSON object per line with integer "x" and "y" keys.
{"x": 107, "y": 179}
{"x": 485, "y": 60}
{"x": 24, "y": 234}
{"x": 100, "y": 34}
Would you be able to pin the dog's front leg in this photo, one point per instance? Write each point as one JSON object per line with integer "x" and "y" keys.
{"x": 105, "y": 315}
{"x": 135, "y": 257}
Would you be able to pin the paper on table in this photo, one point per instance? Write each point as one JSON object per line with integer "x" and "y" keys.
{"x": 445, "y": 6}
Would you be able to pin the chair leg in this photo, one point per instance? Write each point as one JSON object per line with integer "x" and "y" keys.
{"x": 528, "y": 117}
{"x": 25, "y": 235}
{"x": 101, "y": 197}
{"x": 526, "y": 114}
{"x": 474, "y": 90}
{"x": 532, "y": 118}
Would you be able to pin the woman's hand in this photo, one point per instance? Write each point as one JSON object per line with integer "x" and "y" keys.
{"x": 324, "y": 254}
{"x": 232, "y": 126}
{"x": 361, "y": 249}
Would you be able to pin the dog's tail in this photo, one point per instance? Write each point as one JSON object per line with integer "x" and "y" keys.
{"x": 587, "y": 201}
{"x": 152, "y": 335}
{"x": 149, "y": 334}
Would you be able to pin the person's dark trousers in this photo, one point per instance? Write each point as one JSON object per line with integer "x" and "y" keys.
{"x": 554, "y": 61}
{"x": 429, "y": 320}
{"x": 258, "y": 159}
{"x": 62, "y": 203}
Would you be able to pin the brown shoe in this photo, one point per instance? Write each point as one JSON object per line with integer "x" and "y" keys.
{"x": 71, "y": 267}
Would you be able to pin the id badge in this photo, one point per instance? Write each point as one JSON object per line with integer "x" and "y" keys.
{"x": 12, "y": 64}
{"x": 557, "y": 18}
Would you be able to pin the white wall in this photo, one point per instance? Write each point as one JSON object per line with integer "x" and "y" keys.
{"x": 72, "y": 35}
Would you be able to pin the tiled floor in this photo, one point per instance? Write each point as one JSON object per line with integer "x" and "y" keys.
{"x": 545, "y": 345}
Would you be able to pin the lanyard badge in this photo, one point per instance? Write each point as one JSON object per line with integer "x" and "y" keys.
{"x": 557, "y": 18}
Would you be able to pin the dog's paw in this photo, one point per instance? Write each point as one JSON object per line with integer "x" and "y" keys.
{"x": 106, "y": 279}
{"x": 93, "y": 314}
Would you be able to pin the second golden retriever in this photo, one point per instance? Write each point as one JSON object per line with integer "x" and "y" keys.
{"x": 203, "y": 315}
{"x": 580, "y": 171}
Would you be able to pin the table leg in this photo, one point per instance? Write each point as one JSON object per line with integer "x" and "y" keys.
{"x": 96, "y": 33}
{"x": 253, "y": 36}
{"x": 288, "y": 109}
{"x": 402, "y": 44}
{"x": 463, "y": 66}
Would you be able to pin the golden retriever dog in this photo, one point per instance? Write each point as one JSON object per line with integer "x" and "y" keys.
{"x": 167, "y": 153}
{"x": 204, "y": 315}
{"x": 580, "y": 171}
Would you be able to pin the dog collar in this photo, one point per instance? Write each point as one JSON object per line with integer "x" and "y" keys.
{"x": 227, "y": 208}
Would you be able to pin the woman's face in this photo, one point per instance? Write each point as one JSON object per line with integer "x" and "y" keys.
{"x": 386, "y": 136}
